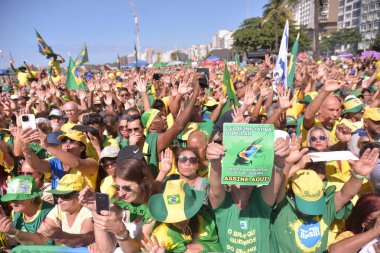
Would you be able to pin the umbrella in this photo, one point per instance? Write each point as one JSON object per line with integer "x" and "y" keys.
{"x": 213, "y": 58}
{"x": 173, "y": 63}
{"x": 159, "y": 64}
{"x": 140, "y": 63}
{"x": 375, "y": 54}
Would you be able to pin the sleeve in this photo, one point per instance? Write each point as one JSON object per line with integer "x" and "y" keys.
{"x": 55, "y": 165}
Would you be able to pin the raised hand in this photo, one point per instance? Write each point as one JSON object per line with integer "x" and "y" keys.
{"x": 264, "y": 90}
{"x": 284, "y": 99}
{"x": 81, "y": 94}
{"x": 140, "y": 85}
{"x": 332, "y": 85}
{"x": 152, "y": 246}
{"x": 294, "y": 147}
{"x": 249, "y": 97}
{"x": 184, "y": 86}
{"x": 366, "y": 163}
{"x": 108, "y": 99}
{"x": 281, "y": 151}
{"x": 166, "y": 160}
{"x": 87, "y": 198}
{"x": 237, "y": 116}
{"x": 343, "y": 133}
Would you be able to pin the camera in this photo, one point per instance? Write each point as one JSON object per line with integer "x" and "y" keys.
{"x": 25, "y": 118}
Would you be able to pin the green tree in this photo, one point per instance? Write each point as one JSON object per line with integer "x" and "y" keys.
{"x": 376, "y": 43}
{"x": 253, "y": 34}
{"x": 277, "y": 11}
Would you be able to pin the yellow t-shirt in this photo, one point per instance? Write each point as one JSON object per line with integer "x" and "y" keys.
{"x": 67, "y": 126}
{"x": 55, "y": 66}
{"x": 56, "y": 79}
{"x": 317, "y": 123}
{"x": 22, "y": 78}
{"x": 108, "y": 186}
{"x": 90, "y": 179}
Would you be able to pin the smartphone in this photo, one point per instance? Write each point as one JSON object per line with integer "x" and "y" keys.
{"x": 157, "y": 76}
{"x": 28, "y": 120}
{"x": 203, "y": 81}
{"x": 102, "y": 202}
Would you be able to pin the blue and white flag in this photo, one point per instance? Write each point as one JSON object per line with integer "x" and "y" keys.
{"x": 280, "y": 72}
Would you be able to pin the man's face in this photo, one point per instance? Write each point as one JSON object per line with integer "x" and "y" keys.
{"x": 56, "y": 122}
{"x": 71, "y": 111}
{"x": 199, "y": 145}
{"x": 159, "y": 123}
{"x": 373, "y": 128}
{"x": 329, "y": 111}
{"x": 367, "y": 97}
{"x": 135, "y": 128}
{"x": 240, "y": 90}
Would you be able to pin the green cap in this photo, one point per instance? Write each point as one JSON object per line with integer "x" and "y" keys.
{"x": 21, "y": 188}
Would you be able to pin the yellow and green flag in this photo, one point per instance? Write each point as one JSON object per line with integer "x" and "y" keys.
{"x": 229, "y": 90}
{"x": 82, "y": 57}
{"x": 74, "y": 80}
{"x": 43, "y": 48}
{"x": 237, "y": 60}
{"x": 292, "y": 63}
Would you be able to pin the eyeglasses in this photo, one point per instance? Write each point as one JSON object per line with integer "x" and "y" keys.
{"x": 108, "y": 163}
{"x": 122, "y": 127}
{"x": 125, "y": 188}
{"x": 64, "y": 196}
{"x": 65, "y": 140}
{"x": 124, "y": 95}
{"x": 21, "y": 173}
{"x": 130, "y": 130}
{"x": 183, "y": 159}
{"x": 315, "y": 138}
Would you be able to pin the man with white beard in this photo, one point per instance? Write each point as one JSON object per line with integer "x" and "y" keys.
{"x": 56, "y": 119}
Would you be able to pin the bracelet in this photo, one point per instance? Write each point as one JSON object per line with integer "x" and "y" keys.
{"x": 357, "y": 176}
{"x": 123, "y": 236}
{"x": 278, "y": 169}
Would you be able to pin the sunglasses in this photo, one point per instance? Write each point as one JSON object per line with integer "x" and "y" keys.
{"x": 130, "y": 130}
{"x": 65, "y": 140}
{"x": 123, "y": 95}
{"x": 108, "y": 163}
{"x": 183, "y": 159}
{"x": 21, "y": 173}
{"x": 123, "y": 127}
{"x": 315, "y": 138}
{"x": 125, "y": 188}
{"x": 64, "y": 196}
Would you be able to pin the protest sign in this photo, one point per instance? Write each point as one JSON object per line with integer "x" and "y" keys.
{"x": 250, "y": 152}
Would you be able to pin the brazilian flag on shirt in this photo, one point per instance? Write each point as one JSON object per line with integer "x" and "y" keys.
{"x": 74, "y": 80}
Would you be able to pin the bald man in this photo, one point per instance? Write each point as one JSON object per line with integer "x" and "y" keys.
{"x": 72, "y": 113}
{"x": 324, "y": 111}
{"x": 198, "y": 140}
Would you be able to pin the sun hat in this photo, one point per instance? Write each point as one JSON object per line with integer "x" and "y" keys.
{"x": 21, "y": 188}
{"x": 129, "y": 152}
{"x": 372, "y": 113}
{"x": 56, "y": 113}
{"x": 309, "y": 96}
{"x": 69, "y": 183}
{"x": 353, "y": 105}
{"x": 148, "y": 116}
{"x": 73, "y": 135}
{"x": 109, "y": 152}
{"x": 177, "y": 203}
{"x": 308, "y": 191}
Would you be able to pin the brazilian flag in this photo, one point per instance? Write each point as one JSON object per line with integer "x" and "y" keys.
{"x": 43, "y": 48}
{"x": 229, "y": 90}
{"x": 74, "y": 80}
{"x": 82, "y": 57}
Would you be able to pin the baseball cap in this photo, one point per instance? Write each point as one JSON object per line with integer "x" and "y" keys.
{"x": 52, "y": 138}
{"x": 69, "y": 183}
{"x": 372, "y": 113}
{"x": 109, "y": 152}
{"x": 21, "y": 188}
{"x": 353, "y": 105}
{"x": 56, "y": 113}
{"x": 73, "y": 135}
{"x": 308, "y": 191}
{"x": 129, "y": 152}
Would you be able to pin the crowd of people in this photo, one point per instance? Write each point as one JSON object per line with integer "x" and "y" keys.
{"x": 151, "y": 139}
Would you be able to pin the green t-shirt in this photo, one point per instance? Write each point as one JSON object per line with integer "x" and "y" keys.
{"x": 150, "y": 148}
{"x": 244, "y": 230}
{"x": 32, "y": 226}
{"x": 122, "y": 143}
{"x": 206, "y": 126}
{"x": 39, "y": 151}
{"x": 291, "y": 233}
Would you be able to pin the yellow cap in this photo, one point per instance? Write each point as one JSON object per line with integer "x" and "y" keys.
{"x": 69, "y": 183}
{"x": 73, "y": 135}
{"x": 372, "y": 113}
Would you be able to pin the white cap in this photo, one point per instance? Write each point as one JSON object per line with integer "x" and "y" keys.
{"x": 56, "y": 113}
{"x": 14, "y": 96}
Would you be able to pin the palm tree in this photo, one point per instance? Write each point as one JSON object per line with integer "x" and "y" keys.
{"x": 280, "y": 11}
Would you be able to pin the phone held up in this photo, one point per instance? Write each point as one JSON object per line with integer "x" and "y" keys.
{"x": 28, "y": 120}
{"x": 203, "y": 81}
{"x": 102, "y": 202}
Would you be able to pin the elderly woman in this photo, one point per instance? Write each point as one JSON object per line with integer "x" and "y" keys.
{"x": 129, "y": 220}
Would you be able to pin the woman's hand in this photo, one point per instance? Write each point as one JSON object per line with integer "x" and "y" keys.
{"x": 152, "y": 246}
{"x": 87, "y": 198}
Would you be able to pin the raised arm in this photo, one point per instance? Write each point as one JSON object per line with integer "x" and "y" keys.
{"x": 214, "y": 154}
{"x": 309, "y": 116}
{"x": 360, "y": 170}
{"x": 164, "y": 139}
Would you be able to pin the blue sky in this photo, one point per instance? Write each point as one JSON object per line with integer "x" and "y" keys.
{"x": 107, "y": 26}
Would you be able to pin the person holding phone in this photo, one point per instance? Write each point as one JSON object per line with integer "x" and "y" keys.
{"x": 129, "y": 220}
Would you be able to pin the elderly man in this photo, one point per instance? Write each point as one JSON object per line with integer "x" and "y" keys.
{"x": 72, "y": 113}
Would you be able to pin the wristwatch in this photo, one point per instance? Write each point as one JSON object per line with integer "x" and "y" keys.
{"x": 123, "y": 236}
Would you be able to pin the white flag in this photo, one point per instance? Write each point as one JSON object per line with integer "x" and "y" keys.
{"x": 280, "y": 72}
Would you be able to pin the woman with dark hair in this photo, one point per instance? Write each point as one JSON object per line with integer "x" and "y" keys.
{"x": 129, "y": 220}
{"x": 362, "y": 227}
{"x": 69, "y": 158}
